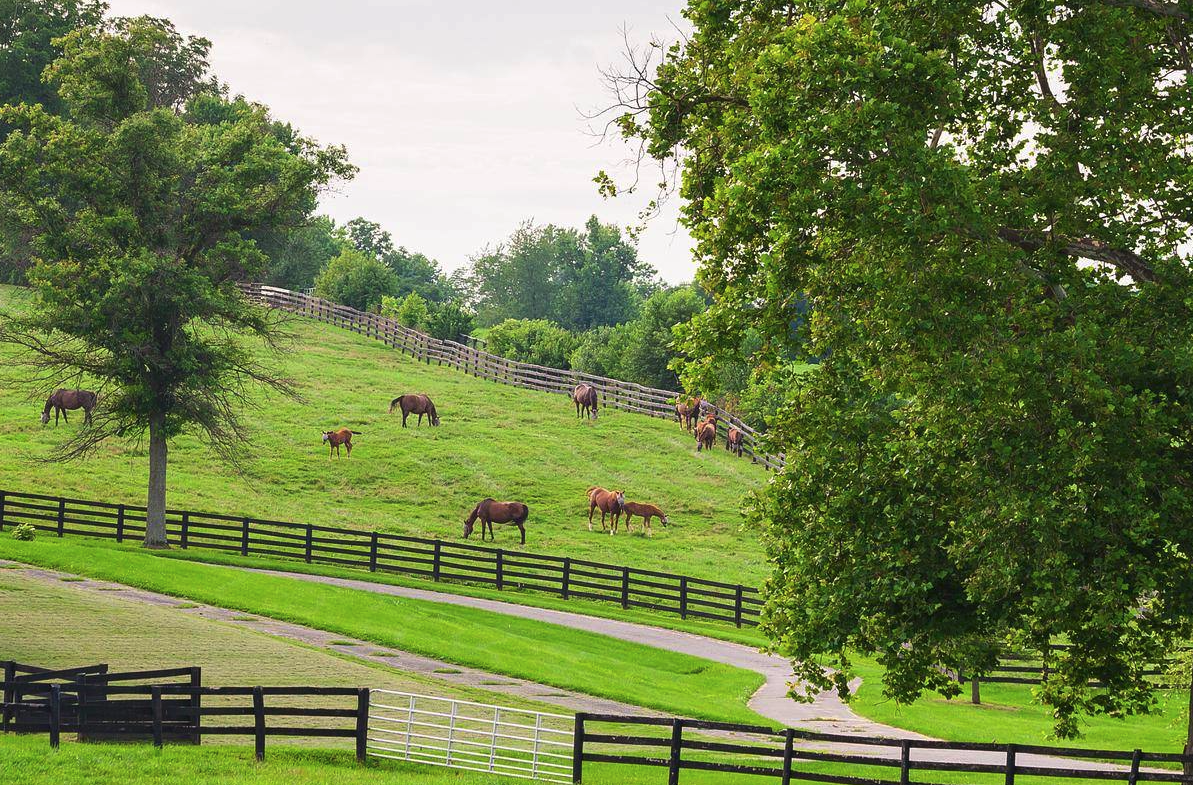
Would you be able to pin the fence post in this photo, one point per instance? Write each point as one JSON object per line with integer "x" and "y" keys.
{"x": 500, "y": 569}
{"x": 244, "y": 537}
{"x": 567, "y": 576}
{"x": 186, "y": 523}
{"x": 362, "y": 724}
{"x": 683, "y": 597}
{"x": 1, "y": 511}
{"x": 676, "y": 747}
{"x": 737, "y": 606}
{"x": 120, "y": 523}
{"x": 905, "y": 762}
{"x": 625, "y": 587}
{"x": 975, "y": 691}
{"x": 259, "y": 722}
{"x": 373, "y": 552}
{"x": 436, "y": 559}
{"x": 10, "y": 672}
{"x": 1133, "y": 777}
{"x": 55, "y": 714}
{"x": 196, "y": 704}
{"x": 81, "y": 704}
{"x": 1010, "y": 780}
{"x": 156, "y": 692}
{"x": 578, "y": 748}
{"x": 61, "y": 515}
{"x": 788, "y": 754}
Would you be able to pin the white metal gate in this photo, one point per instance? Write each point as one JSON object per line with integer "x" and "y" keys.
{"x": 472, "y": 736}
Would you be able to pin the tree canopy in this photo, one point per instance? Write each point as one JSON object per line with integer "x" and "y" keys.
{"x": 138, "y": 218}
{"x": 413, "y": 272}
{"x": 987, "y": 208}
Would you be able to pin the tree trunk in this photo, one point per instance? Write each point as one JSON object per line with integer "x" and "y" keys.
{"x": 975, "y": 691}
{"x": 155, "y": 516}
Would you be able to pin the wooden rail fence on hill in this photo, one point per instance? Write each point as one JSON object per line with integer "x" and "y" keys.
{"x": 481, "y": 364}
{"x": 438, "y": 560}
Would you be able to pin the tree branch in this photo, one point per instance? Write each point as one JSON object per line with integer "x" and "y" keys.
{"x": 1126, "y": 261}
{"x": 1171, "y": 10}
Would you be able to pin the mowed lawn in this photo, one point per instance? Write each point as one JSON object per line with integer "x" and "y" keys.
{"x": 494, "y": 440}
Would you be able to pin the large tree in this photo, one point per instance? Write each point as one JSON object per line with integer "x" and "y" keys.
{"x": 988, "y": 206}
{"x": 415, "y": 272}
{"x": 138, "y": 218}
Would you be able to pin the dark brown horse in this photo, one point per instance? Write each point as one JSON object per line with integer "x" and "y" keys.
{"x": 491, "y": 512}
{"x": 419, "y": 404}
{"x": 61, "y": 400}
{"x": 706, "y": 433}
{"x": 686, "y": 411}
{"x": 645, "y": 511}
{"x": 609, "y": 502}
{"x": 585, "y": 398}
{"x": 336, "y": 438}
{"x": 734, "y": 441}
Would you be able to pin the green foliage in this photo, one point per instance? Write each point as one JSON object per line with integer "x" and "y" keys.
{"x": 24, "y": 532}
{"x": 298, "y": 255}
{"x": 987, "y": 210}
{"x": 357, "y": 280}
{"x": 414, "y": 272}
{"x": 577, "y": 279}
{"x": 28, "y": 43}
{"x": 411, "y": 311}
{"x": 535, "y": 341}
{"x": 448, "y": 321}
{"x": 136, "y": 218}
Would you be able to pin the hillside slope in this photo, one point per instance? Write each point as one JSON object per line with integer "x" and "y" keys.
{"x": 494, "y": 441}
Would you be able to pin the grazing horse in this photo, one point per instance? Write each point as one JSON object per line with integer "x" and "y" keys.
{"x": 706, "y": 433}
{"x": 733, "y": 441}
{"x": 491, "y": 512}
{"x": 336, "y": 438}
{"x": 62, "y": 400}
{"x": 687, "y": 412}
{"x": 645, "y": 511}
{"x": 610, "y": 502}
{"x": 415, "y": 404}
{"x": 585, "y": 398}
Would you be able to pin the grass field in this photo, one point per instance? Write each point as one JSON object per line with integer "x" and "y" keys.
{"x": 544, "y": 653}
{"x": 494, "y": 441}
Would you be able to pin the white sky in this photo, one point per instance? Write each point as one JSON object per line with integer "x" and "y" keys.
{"x": 463, "y": 117}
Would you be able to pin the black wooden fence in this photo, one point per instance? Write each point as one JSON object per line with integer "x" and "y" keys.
{"x": 795, "y": 755}
{"x": 98, "y": 707}
{"x": 438, "y": 560}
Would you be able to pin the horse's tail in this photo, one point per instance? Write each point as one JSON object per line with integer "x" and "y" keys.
{"x": 525, "y": 514}
{"x": 591, "y": 488}
{"x": 395, "y": 402}
{"x": 355, "y": 433}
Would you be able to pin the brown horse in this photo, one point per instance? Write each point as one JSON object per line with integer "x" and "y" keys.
{"x": 62, "y": 400}
{"x": 645, "y": 511}
{"x": 336, "y": 438}
{"x": 491, "y": 512}
{"x": 415, "y": 404}
{"x": 734, "y": 440}
{"x": 706, "y": 434}
{"x": 610, "y": 502}
{"x": 585, "y": 398}
{"x": 686, "y": 411}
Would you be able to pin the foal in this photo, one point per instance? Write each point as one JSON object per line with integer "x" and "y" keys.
{"x": 336, "y": 438}
{"x": 646, "y": 512}
{"x": 610, "y": 502}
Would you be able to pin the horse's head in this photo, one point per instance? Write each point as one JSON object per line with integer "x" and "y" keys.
{"x": 434, "y": 417}
{"x": 664, "y": 519}
{"x": 470, "y": 520}
{"x": 326, "y": 436}
{"x": 45, "y": 416}
{"x": 620, "y": 499}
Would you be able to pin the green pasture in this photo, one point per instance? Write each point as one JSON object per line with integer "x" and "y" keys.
{"x": 495, "y": 440}
{"x": 545, "y": 653}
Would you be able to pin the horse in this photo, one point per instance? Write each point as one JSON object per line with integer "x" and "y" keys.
{"x": 687, "y": 411}
{"x": 415, "y": 404}
{"x": 336, "y": 438}
{"x": 734, "y": 440}
{"x": 706, "y": 434}
{"x": 62, "y": 400}
{"x": 491, "y": 512}
{"x": 645, "y": 511}
{"x": 610, "y": 502}
{"x": 585, "y": 398}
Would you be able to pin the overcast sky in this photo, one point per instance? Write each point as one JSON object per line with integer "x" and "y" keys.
{"x": 464, "y": 118}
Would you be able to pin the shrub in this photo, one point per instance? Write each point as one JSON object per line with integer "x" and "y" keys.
{"x": 449, "y": 321}
{"x": 535, "y": 341}
{"x": 24, "y": 531}
{"x": 356, "y": 280}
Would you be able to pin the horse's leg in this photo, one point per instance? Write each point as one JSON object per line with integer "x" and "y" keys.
{"x": 522, "y": 529}
{"x": 405, "y": 414}
{"x": 349, "y": 446}
{"x": 647, "y": 524}
{"x": 591, "y": 508}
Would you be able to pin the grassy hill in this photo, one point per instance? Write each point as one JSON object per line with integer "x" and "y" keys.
{"x": 494, "y": 441}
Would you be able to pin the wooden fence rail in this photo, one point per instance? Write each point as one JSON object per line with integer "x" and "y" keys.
{"x": 467, "y": 358}
{"x": 165, "y": 712}
{"x": 791, "y": 755}
{"x": 437, "y": 560}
